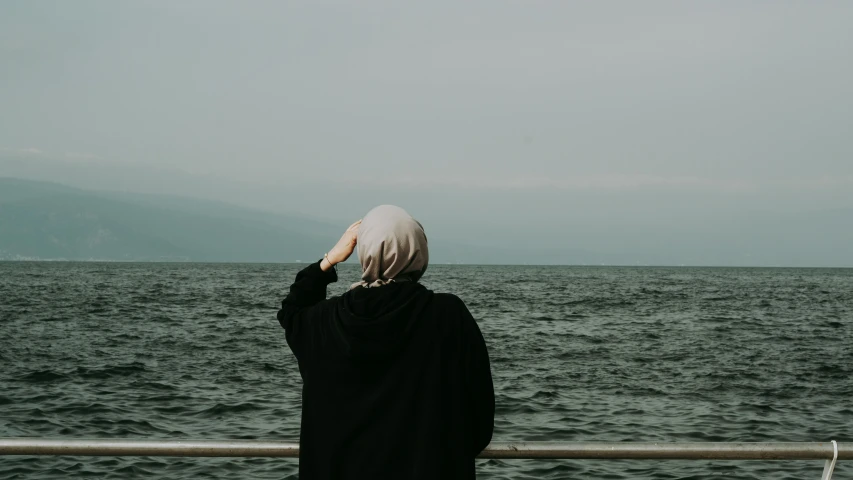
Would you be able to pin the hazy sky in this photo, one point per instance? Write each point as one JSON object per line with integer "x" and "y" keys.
{"x": 543, "y": 111}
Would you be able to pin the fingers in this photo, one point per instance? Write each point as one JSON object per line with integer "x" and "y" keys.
{"x": 353, "y": 229}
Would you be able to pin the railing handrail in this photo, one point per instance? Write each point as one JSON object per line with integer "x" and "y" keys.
{"x": 505, "y": 450}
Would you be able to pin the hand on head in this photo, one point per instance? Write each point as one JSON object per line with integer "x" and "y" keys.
{"x": 346, "y": 245}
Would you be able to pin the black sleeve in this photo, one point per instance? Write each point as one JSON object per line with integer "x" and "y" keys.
{"x": 308, "y": 290}
{"x": 481, "y": 391}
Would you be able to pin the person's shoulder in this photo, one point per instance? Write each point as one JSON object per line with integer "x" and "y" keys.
{"x": 452, "y": 316}
{"x": 448, "y": 299}
{"x": 451, "y": 305}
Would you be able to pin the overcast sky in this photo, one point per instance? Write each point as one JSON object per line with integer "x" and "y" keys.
{"x": 530, "y": 107}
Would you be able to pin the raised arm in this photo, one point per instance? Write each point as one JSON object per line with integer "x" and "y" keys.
{"x": 309, "y": 288}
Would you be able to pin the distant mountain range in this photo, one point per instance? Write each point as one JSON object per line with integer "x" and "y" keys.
{"x": 49, "y": 221}
{"x": 41, "y": 220}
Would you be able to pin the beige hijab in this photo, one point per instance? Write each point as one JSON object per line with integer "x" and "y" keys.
{"x": 392, "y": 247}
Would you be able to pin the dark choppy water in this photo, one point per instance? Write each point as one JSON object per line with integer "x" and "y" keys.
{"x": 578, "y": 354}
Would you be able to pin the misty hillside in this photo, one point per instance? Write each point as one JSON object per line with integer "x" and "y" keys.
{"x": 51, "y": 221}
{"x": 44, "y": 220}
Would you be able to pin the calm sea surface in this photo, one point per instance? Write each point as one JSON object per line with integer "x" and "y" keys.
{"x": 578, "y": 354}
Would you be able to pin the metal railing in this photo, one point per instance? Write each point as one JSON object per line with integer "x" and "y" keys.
{"x": 830, "y": 451}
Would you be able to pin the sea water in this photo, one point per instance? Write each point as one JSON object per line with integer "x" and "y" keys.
{"x": 158, "y": 351}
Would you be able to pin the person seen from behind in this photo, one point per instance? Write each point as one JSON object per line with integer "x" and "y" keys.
{"x": 396, "y": 378}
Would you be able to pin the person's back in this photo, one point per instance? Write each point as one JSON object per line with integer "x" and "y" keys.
{"x": 396, "y": 378}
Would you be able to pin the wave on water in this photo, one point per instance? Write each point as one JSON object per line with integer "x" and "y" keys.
{"x": 42, "y": 376}
{"x": 107, "y": 371}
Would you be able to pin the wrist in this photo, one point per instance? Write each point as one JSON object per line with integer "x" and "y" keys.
{"x": 326, "y": 263}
